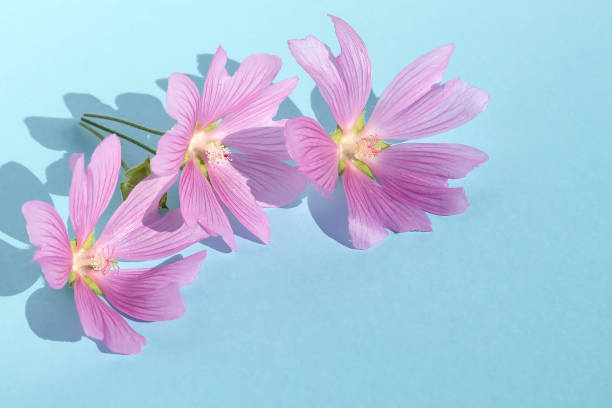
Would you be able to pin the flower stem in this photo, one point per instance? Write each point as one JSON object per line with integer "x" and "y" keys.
{"x": 122, "y": 136}
{"x": 99, "y": 136}
{"x": 125, "y": 122}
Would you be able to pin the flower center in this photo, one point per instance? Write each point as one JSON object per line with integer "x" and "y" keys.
{"x": 206, "y": 148}
{"x": 88, "y": 262}
{"x": 359, "y": 147}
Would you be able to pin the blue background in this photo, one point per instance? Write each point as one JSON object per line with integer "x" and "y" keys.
{"x": 506, "y": 305}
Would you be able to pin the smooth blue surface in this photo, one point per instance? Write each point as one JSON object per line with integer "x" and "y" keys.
{"x": 507, "y": 305}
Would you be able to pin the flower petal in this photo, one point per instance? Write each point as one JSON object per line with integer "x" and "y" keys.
{"x": 417, "y": 173}
{"x": 136, "y": 231}
{"x": 268, "y": 141}
{"x": 318, "y": 61}
{"x": 443, "y": 108}
{"x": 151, "y": 294}
{"x": 259, "y": 111}
{"x": 371, "y": 208}
{"x": 314, "y": 152}
{"x": 231, "y": 186}
{"x": 272, "y": 182}
{"x": 92, "y": 190}
{"x": 182, "y": 100}
{"x": 47, "y": 231}
{"x": 223, "y": 93}
{"x": 410, "y": 84}
{"x": 355, "y": 68}
{"x": 171, "y": 150}
{"x": 101, "y": 322}
{"x": 200, "y": 204}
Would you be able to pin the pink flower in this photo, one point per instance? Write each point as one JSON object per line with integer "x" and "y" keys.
{"x": 135, "y": 232}
{"x": 387, "y": 187}
{"x": 232, "y": 112}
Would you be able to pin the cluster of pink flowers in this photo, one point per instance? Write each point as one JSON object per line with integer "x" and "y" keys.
{"x": 231, "y": 155}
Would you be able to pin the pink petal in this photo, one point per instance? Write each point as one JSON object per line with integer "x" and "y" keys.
{"x": 319, "y": 63}
{"x": 151, "y": 294}
{"x": 91, "y": 191}
{"x": 232, "y": 189}
{"x": 410, "y": 84}
{"x": 272, "y": 182}
{"x": 314, "y": 152}
{"x": 371, "y": 208}
{"x": 259, "y": 111}
{"x": 101, "y": 322}
{"x": 47, "y": 231}
{"x": 223, "y": 94}
{"x": 443, "y": 108}
{"x": 355, "y": 68}
{"x": 171, "y": 150}
{"x": 182, "y": 100}
{"x": 268, "y": 141}
{"x": 136, "y": 231}
{"x": 199, "y": 204}
{"x": 417, "y": 173}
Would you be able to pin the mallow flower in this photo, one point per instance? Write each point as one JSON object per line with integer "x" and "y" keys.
{"x": 135, "y": 232}
{"x": 386, "y": 186}
{"x": 230, "y": 150}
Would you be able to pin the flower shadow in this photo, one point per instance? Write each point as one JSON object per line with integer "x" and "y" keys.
{"x": 332, "y": 215}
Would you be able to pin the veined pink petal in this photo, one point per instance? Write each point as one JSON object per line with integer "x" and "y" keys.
{"x": 371, "y": 208}
{"x": 151, "y": 294}
{"x": 91, "y": 191}
{"x": 272, "y": 182}
{"x": 314, "y": 152}
{"x": 47, "y": 231}
{"x": 267, "y": 141}
{"x": 171, "y": 150}
{"x": 183, "y": 100}
{"x": 223, "y": 93}
{"x": 355, "y": 68}
{"x": 443, "y": 108}
{"x": 318, "y": 61}
{"x": 417, "y": 173}
{"x": 136, "y": 231}
{"x": 199, "y": 204}
{"x": 232, "y": 189}
{"x": 259, "y": 111}
{"x": 410, "y": 84}
{"x": 101, "y": 322}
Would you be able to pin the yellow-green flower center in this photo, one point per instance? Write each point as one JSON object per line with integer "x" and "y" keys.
{"x": 87, "y": 261}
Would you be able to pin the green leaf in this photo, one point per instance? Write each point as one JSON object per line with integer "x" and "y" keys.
{"x": 381, "y": 145}
{"x": 336, "y": 135}
{"x": 363, "y": 167}
{"x": 93, "y": 285}
{"x": 134, "y": 176}
{"x": 360, "y": 124}
{"x": 341, "y": 166}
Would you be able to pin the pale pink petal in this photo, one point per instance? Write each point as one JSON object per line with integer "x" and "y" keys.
{"x": 77, "y": 199}
{"x": 101, "y": 322}
{"x": 223, "y": 94}
{"x": 443, "y": 108}
{"x": 137, "y": 232}
{"x": 355, "y": 68}
{"x": 232, "y": 189}
{"x": 266, "y": 141}
{"x": 410, "y": 84}
{"x": 92, "y": 190}
{"x": 47, "y": 231}
{"x": 151, "y": 294}
{"x": 318, "y": 61}
{"x": 272, "y": 182}
{"x": 417, "y": 173}
{"x": 171, "y": 150}
{"x": 371, "y": 209}
{"x": 259, "y": 111}
{"x": 182, "y": 100}
{"x": 199, "y": 204}
{"x": 314, "y": 152}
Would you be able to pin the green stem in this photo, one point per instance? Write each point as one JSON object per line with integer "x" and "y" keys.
{"x": 125, "y": 122}
{"x": 122, "y": 136}
{"x": 99, "y": 136}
